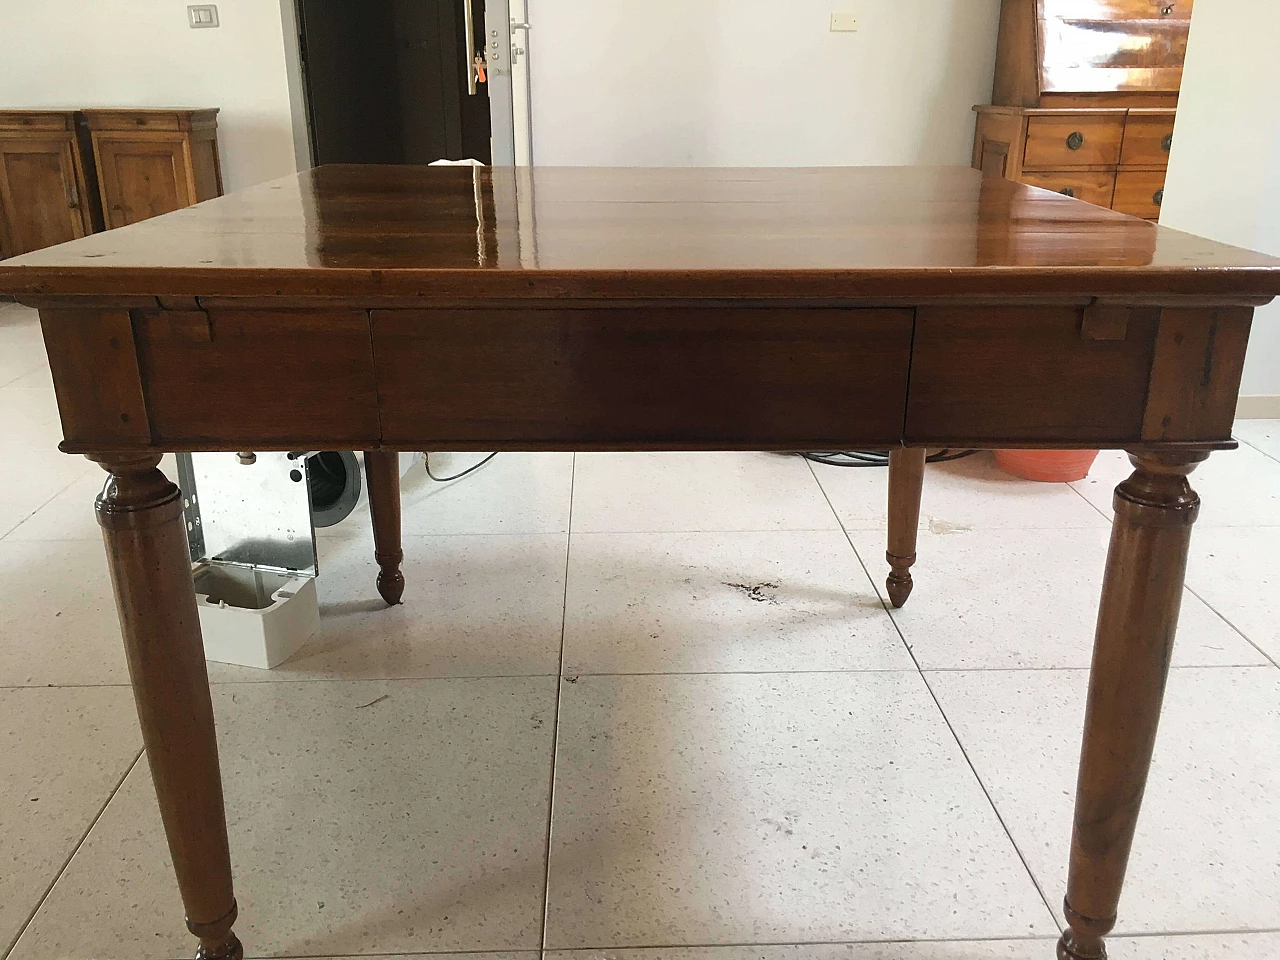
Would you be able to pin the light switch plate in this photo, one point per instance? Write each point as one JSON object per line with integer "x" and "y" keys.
{"x": 844, "y": 22}
{"x": 202, "y": 15}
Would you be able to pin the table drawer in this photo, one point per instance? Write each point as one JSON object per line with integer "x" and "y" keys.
{"x": 1148, "y": 138}
{"x": 1139, "y": 193}
{"x": 1005, "y": 374}
{"x": 1089, "y": 185}
{"x": 132, "y": 120}
{"x": 1074, "y": 140}
{"x": 283, "y": 379}
{"x": 656, "y": 377}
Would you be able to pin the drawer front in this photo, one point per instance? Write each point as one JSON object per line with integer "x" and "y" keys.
{"x": 1148, "y": 138}
{"x": 17, "y": 120}
{"x": 1139, "y": 193}
{"x": 132, "y": 120}
{"x": 286, "y": 380}
{"x": 656, "y": 377}
{"x": 1074, "y": 140}
{"x": 1088, "y": 185}
{"x": 981, "y": 377}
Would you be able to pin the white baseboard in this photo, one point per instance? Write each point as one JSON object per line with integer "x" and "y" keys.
{"x": 1264, "y": 407}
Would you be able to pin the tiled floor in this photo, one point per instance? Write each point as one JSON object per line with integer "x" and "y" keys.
{"x": 651, "y": 707}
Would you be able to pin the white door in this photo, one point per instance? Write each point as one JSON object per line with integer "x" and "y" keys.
{"x": 506, "y": 49}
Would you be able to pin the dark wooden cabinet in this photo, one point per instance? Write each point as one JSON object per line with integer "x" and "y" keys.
{"x": 1084, "y": 98}
{"x": 46, "y": 180}
{"x": 154, "y": 161}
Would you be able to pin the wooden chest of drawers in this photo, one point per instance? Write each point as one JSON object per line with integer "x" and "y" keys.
{"x": 1085, "y": 94}
{"x": 1112, "y": 156}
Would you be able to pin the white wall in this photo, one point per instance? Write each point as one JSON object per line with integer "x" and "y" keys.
{"x": 124, "y": 53}
{"x": 1224, "y": 170}
{"x": 758, "y": 82}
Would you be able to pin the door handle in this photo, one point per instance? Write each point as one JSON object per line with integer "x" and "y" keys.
{"x": 469, "y": 32}
{"x": 73, "y": 195}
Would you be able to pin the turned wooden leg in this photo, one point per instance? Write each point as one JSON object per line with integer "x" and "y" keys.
{"x": 1137, "y": 617}
{"x": 382, "y": 473}
{"x": 140, "y": 512}
{"x": 906, "y": 479}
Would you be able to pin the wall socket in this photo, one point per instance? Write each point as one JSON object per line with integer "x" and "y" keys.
{"x": 844, "y": 22}
{"x": 202, "y": 15}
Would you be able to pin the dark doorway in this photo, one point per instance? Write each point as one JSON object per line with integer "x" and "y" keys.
{"x": 386, "y": 80}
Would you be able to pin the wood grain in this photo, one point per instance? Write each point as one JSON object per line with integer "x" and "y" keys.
{"x": 1017, "y": 374}
{"x": 273, "y": 380}
{"x": 572, "y": 378}
{"x": 1195, "y": 372}
{"x": 94, "y": 362}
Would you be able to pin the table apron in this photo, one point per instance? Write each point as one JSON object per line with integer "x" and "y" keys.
{"x": 782, "y": 377}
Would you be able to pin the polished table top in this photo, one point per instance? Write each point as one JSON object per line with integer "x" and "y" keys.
{"x": 892, "y": 232}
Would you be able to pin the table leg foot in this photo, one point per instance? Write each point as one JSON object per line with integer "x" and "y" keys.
{"x": 906, "y": 481}
{"x": 382, "y": 474}
{"x": 140, "y": 513}
{"x": 1137, "y": 617}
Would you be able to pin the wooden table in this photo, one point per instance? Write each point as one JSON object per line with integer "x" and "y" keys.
{"x": 393, "y": 308}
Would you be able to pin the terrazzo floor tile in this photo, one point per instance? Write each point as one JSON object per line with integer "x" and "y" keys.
{"x": 665, "y": 492}
{"x": 1009, "y": 599}
{"x": 1207, "y": 852}
{"x": 967, "y": 494}
{"x": 1236, "y": 571}
{"x": 21, "y": 344}
{"x": 513, "y": 493}
{"x": 709, "y": 602}
{"x": 365, "y": 818}
{"x": 1248, "y": 946}
{"x": 772, "y": 808}
{"x": 58, "y": 618}
{"x": 64, "y": 751}
{"x": 1263, "y": 435}
{"x": 473, "y": 606}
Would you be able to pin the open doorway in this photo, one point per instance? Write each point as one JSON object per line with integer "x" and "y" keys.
{"x": 395, "y": 81}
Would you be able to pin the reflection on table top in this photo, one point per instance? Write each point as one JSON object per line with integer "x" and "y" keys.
{"x": 582, "y": 231}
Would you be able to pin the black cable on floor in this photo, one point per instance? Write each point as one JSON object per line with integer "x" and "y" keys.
{"x": 876, "y": 458}
{"x": 426, "y": 459}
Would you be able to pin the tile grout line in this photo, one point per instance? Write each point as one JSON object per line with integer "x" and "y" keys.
{"x": 1265, "y": 453}
{"x": 57, "y": 493}
{"x": 71, "y": 856}
{"x": 1221, "y": 616}
{"x": 555, "y": 723}
{"x": 947, "y": 720}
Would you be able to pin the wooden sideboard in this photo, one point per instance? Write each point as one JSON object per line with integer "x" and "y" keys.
{"x": 154, "y": 161}
{"x": 65, "y": 174}
{"x": 48, "y": 188}
{"x": 1085, "y": 97}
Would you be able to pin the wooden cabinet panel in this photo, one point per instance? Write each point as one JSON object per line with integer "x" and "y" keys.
{"x": 43, "y": 202}
{"x": 1074, "y": 140}
{"x": 202, "y": 375}
{"x": 1088, "y": 185}
{"x": 583, "y": 378}
{"x": 152, "y": 162}
{"x": 1148, "y": 138}
{"x": 1016, "y": 373}
{"x": 142, "y": 178}
{"x": 44, "y": 198}
{"x": 1139, "y": 193}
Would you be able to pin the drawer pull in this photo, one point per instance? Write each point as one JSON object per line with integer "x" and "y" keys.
{"x": 1158, "y": 197}
{"x": 1166, "y": 10}
{"x": 1068, "y": 191}
{"x": 1075, "y": 140}
{"x": 1167, "y": 143}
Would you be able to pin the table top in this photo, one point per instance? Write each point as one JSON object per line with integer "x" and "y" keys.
{"x": 449, "y": 232}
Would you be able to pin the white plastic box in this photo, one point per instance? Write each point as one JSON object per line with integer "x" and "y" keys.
{"x": 252, "y": 543}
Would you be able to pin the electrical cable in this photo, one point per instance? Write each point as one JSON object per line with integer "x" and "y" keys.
{"x": 426, "y": 459}
{"x": 876, "y": 458}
